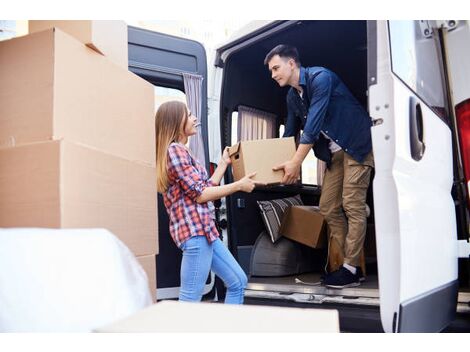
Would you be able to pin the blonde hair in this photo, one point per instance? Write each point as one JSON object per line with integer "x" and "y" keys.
{"x": 170, "y": 120}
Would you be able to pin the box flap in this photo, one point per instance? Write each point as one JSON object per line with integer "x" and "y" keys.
{"x": 234, "y": 149}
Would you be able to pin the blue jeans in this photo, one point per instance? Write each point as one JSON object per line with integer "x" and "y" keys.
{"x": 199, "y": 257}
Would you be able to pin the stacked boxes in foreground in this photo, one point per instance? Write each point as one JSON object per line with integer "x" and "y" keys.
{"x": 77, "y": 143}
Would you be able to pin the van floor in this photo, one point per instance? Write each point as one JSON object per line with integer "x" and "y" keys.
{"x": 309, "y": 290}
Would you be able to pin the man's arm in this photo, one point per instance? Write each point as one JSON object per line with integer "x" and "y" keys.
{"x": 321, "y": 85}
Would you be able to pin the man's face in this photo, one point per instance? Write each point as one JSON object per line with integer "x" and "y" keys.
{"x": 281, "y": 69}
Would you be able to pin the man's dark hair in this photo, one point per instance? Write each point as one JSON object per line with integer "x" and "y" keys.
{"x": 284, "y": 51}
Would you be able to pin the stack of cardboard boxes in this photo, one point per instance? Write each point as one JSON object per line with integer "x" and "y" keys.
{"x": 77, "y": 137}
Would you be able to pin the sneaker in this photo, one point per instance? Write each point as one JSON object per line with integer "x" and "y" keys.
{"x": 359, "y": 273}
{"x": 342, "y": 278}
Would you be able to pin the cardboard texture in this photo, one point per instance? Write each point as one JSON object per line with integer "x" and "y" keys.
{"x": 149, "y": 264}
{"x": 261, "y": 156}
{"x": 54, "y": 87}
{"x": 167, "y": 316}
{"x": 108, "y": 38}
{"x": 59, "y": 184}
{"x": 305, "y": 225}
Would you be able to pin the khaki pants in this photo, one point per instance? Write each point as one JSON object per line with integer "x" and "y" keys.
{"x": 343, "y": 203}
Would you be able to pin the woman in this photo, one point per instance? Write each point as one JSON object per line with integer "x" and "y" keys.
{"x": 188, "y": 194}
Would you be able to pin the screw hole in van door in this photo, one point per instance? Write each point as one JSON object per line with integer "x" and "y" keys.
{"x": 377, "y": 122}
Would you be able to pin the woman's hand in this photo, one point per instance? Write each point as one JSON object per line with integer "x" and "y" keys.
{"x": 246, "y": 184}
{"x": 226, "y": 157}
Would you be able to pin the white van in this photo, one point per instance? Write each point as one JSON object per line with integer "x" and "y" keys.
{"x": 412, "y": 77}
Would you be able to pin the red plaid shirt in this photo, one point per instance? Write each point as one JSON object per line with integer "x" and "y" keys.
{"x": 187, "y": 180}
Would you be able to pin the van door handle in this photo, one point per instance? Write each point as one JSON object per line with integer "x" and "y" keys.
{"x": 417, "y": 146}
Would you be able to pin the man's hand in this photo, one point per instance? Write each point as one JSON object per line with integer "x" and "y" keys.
{"x": 291, "y": 171}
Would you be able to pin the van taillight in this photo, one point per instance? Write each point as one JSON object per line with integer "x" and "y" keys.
{"x": 463, "y": 121}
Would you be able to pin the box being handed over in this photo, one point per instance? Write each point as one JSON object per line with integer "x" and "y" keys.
{"x": 261, "y": 156}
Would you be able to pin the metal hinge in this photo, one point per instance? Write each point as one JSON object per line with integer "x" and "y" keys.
{"x": 449, "y": 24}
{"x": 464, "y": 249}
{"x": 426, "y": 28}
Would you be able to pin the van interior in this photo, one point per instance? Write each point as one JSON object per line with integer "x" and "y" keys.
{"x": 247, "y": 82}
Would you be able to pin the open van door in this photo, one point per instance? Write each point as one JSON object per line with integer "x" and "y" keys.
{"x": 414, "y": 211}
{"x": 162, "y": 60}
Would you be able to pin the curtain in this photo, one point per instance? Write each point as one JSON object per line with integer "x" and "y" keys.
{"x": 255, "y": 124}
{"x": 193, "y": 91}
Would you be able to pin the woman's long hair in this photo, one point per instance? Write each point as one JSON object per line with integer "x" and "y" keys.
{"x": 170, "y": 120}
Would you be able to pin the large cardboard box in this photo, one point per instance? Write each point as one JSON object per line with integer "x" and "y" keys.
{"x": 108, "y": 38}
{"x": 304, "y": 224}
{"x": 261, "y": 156}
{"x": 58, "y": 184}
{"x": 166, "y": 316}
{"x": 53, "y": 87}
{"x": 148, "y": 262}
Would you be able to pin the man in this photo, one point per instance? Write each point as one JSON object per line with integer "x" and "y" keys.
{"x": 338, "y": 128}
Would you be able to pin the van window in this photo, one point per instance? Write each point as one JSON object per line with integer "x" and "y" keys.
{"x": 415, "y": 55}
{"x": 163, "y": 94}
{"x": 250, "y": 124}
{"x": 234, "y": 134}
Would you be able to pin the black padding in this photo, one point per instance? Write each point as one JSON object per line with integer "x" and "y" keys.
{"x": 285, "y": 257}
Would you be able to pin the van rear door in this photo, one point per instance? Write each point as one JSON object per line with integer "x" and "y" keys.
{"x": 162, "y": 60}
{"x": 414, "y": 209}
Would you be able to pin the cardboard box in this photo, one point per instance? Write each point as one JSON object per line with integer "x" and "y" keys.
{"x": 304, "y": 224}
{"x": 108, "y": 38}
{"x": 54, "y": 87}
{"x": 166, "y": 316}
{"x": 261, "y": 156}
{"x": 148, "y": 262}
{"x": 58, "y": 184}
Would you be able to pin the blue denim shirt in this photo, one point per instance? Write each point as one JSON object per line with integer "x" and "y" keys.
{"x": 327, "y": 105}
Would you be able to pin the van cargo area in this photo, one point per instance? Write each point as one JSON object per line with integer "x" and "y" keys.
{"x": 248, "y": 82}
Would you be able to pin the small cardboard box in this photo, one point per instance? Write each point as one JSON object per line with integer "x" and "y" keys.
{"x": 58, "y": 184}
{"x": 108, "y": 38}
{"x": 304, "y": 224}
{"x": 261, "y": 156}
{"x": 53, "y": 87}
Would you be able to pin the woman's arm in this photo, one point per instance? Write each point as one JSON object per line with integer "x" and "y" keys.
{"x": 194, "y": 186}
{"x": 246, "y": 184}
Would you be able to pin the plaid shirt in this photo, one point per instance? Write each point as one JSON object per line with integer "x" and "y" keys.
{"x": 187, "y": 180}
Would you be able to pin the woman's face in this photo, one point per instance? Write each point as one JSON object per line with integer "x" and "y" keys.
{"x": 190, "y": 128}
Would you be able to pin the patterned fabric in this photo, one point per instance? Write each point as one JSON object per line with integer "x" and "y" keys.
{"x": 272, "y": 212}
{"x": 187, "y": 180}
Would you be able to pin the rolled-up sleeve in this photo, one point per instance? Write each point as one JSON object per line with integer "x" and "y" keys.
{"x": 322, "y": 87}
{"x": 182, "y": 171}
